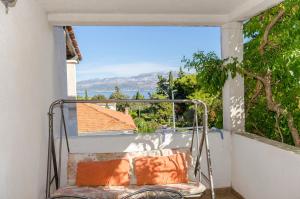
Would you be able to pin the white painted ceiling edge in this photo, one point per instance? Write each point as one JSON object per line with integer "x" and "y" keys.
{"x": 153, "y": 12}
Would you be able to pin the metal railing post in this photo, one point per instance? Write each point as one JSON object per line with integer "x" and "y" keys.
{"x": 209, "y": 167}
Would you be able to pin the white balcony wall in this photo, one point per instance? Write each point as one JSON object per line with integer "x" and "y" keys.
{"x": 220, "y": 149}
{"x": 31, "y": 56}
{"x": 264, "y": 169}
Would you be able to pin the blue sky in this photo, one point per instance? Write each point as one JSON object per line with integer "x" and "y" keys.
{"x": 127, "y": 51}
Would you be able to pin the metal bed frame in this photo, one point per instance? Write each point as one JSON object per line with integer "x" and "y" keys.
{"x": 200, "y": 142}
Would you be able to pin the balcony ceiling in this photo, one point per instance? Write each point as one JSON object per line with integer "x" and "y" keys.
{"x": 152, "y": 12}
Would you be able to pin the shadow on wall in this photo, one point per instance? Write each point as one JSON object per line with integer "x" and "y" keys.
{"x": 160, "y": 141}
{"x": 233, "y": 104}
{"x": 237, "y": 113}
{"x": 128, "y": 142}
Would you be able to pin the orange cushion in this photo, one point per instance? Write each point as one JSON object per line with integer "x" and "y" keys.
{"x": 103, "y": 173}
{"x": 161, "y": 170}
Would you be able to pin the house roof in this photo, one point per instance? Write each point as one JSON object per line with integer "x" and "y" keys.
{"x": 72, "y": 46}
{"x": 93, "y": 118}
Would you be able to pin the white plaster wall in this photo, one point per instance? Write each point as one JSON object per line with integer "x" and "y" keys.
{"x": 233, "y": 90}
{"x": 71, "y": 78}
{"x": 70, "y": 112}
{"x": 29, "y": 81}
{"x": 220, "y": 149}
{"x": 263, "y": 171}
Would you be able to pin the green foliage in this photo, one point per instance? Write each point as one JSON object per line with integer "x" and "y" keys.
{"x": 117, "y": 94}
{"x": 282, "y": 57}
{"x": 170, "y": 83}
{"x": 98, "y": 97}
{"x": 211, "y": 73}
{"x": 188, "y": 87}
{"x": 162, "y": 86}
{"x": 145, "y": 126}
{"x": 148, "y": 117}
{"x": 137, "y": 107}
{"x": 181, "y": 73}
{"x": 138, "y": 96}
{"x": 86, "y": 96}
{"x": 165, "y": 86}
{"x": 185, "y": 85}
{"x": 160, "y": 112}
{"x": 277, "y": 57}
{"x": 214, "y": 103}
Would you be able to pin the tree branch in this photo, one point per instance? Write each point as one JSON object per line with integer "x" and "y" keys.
{"x": 278, "y": 127}
{"x": 257, "y": 131}
{"x": 250, "y": 74}
{"x": 276, "y": 107}
{"x": 257, "y": 91}
{"x": 294, "y": 131}
{"x": 265, "y": 39}
{"x": 273, "y": 105}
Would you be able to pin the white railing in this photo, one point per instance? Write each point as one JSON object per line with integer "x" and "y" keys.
{"x": 265, "y": 169}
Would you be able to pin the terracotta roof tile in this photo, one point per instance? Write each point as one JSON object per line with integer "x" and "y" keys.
{"x": 93, "y": 118}
{"x": 71, "y": 33}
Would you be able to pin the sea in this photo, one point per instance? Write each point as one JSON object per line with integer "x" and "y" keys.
{"x": 107, "y": 94}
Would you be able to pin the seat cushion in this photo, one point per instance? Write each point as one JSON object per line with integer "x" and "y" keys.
{"x": 117, "y": 192}
{"x": 161, "y": 170}
{"x": 75, "y": 158}
{"x": 103, "y": 173}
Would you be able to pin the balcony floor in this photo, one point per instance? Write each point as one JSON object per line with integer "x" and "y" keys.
{"x": 223, "y": 194}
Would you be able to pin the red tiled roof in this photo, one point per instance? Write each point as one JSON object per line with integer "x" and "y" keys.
{"x": 93, "y": 118}
{"x": 71, "y": 33}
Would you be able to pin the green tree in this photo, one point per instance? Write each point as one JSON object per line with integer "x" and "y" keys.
{"x": 137, "y": 107}
{"x": 98, "y": 97}
{"x": 165, "y": 86}
{"x": 185, "y": 85}
{"x": 214, "y": 103}
{"x": 138, "y": 96}
{"x": 181, "y": 73}
{"x": 188, "y": 87}
{"x": 271, "y": 68}
{"x": 86, "y": 96}
{"x": 162, "y": 87}
{"x": 170, "y": 84}
{"x": 117, "y": 94}
{"x": 145, "y": 126}
{"x": 160, "y": 112}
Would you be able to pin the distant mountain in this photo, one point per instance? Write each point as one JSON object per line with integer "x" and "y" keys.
{"x": 144, "y": 83}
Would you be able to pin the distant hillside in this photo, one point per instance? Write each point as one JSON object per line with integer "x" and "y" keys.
{"x": 144, "y": 82}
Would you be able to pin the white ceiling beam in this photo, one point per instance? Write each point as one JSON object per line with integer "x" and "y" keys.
{"x": 136, "y": 19}
{"x": 243, "y": 11}
{"x": 251, "y": 8}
